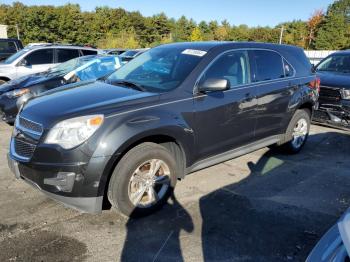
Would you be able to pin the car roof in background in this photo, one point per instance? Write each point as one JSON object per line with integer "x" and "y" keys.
{"x": 42, "y": 46}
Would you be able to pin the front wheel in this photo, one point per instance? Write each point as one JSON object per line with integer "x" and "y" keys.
{"x": 143, "y": 180}
{"x": 297, "y": 132}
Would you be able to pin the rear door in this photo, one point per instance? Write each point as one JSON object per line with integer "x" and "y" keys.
{"x": 65, "y": 54}
{"x": 226, "y": 119}
{"x": 272, "y": 76}
{"x": 37, "y": 61}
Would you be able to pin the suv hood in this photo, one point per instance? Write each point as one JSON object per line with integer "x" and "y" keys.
{"x": 83, "y": 99}
{"x": 334, "y": 79}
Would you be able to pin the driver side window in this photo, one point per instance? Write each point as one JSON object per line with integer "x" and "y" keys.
{"x": 233, "y": 66}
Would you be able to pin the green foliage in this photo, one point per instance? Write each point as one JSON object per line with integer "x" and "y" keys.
{"x": 117, "y": 28}
{"x": 334, "y": 30}
{"x": 196, "y": 34}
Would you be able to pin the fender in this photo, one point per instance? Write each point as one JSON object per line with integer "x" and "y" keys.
{"x": 123, "y": 132}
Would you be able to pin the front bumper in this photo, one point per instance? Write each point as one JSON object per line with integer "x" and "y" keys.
{"x": 77, "y": 185}
{"x": 334, "y": 114}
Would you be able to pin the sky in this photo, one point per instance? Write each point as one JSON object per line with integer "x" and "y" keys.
{"x": 250, "y": 12}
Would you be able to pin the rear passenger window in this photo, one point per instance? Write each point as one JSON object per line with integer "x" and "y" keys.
{"x": 269, "y": 65}
{"x": 233, "y": 66}
{"x": 89, "y": 52}
{"x": 9, "y": 46}
{"x": 64, "y": 55}
{"x": 40, "y": 57}
{"x": 288, "y": 69}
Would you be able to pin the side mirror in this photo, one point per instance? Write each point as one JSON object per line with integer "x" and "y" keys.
{"x": 214, "y": 84}
{"x": 313, "y": 68}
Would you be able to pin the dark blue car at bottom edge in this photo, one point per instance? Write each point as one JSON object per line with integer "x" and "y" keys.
{"x": 175, "y": 109}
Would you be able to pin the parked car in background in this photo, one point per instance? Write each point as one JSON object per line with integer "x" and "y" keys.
{"x": 131, "y": 54}
{"x": 334, "y": 246}
{"x": 114, "y": 51}
{"x": 16, "y": 92}
{"x": 8, "y": 47}
{"x": 39, "y": 58}
{"x": 176, "y": 109}
{"x": 334, "y": 101}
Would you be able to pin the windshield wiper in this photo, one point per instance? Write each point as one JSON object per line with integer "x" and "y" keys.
{"x": 129, "y": 84}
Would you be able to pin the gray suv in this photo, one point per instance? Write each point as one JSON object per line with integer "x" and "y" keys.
{"x": 36, "y": 59}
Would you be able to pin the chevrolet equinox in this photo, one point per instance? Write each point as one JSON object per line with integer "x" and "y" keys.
{"x": 173, "y": 110}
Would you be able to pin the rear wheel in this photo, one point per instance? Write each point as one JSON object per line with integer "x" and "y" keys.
{"x": 297, "y": 132}
{"x": 143, "y": 180}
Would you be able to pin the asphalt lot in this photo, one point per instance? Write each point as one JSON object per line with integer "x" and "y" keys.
{"x": 264, "y": 206}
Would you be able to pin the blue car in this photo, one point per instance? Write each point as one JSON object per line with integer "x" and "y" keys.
{"x": 16, "y": 92}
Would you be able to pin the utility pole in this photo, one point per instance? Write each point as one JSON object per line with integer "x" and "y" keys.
{"x": 281, "y": 35}
{"x": 17, "y": 31}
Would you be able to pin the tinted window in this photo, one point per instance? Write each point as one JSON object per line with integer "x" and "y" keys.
{"x": 269, "y": 65}
{"x": 89, "y": 52}
{"x": 233, "y": 66}
{"x": 8, "y": 46}
{"x": 64, "y": 55}
{"x": 288, "y": 69}
{"x": 39, "y": 57}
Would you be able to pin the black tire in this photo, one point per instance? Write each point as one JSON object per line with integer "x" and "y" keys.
{"x": 289, "y": 143}
{"x": 118, "y": 188}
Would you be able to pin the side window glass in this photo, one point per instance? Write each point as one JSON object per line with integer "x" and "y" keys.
{"x": 89, "y": 52}
{"x": 288, "y": 69}
{"x": 233, "y": 66}
{"x": 269, "y": 65}
{"x": 64, "y": 55}
{"x": 40, "y": 57}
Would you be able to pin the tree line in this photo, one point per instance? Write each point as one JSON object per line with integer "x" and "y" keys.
{"x": 117, "y": 28}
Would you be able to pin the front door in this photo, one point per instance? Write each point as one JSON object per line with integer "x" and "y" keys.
{"x": 226, "y": 119}
{"x": 36, "y": 62}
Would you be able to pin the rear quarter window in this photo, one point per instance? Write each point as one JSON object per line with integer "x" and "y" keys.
{"x": 269, "y": 65}
{"x": 89, "y": 52}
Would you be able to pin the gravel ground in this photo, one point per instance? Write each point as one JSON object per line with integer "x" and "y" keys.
{"x": 263, "y": 206}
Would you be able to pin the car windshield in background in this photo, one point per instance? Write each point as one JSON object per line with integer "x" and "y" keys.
{"x": 97, "y": 68}
{"x": 160, "y": 69}
{"x": 70, "y": 65}
{"x": 129, "y": 53}
{"x": 12, "y": 58}
{"x": 335, "y": 63}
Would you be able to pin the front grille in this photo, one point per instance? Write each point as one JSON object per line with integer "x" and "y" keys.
{"x": 23, "y": 149}
{"x": 30, "y": 125}
{"x": 329, "y": 94}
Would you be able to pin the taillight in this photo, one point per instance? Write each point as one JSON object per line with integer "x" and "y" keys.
{"x": 315, "y": 84}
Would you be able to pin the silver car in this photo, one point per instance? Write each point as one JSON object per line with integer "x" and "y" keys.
{"x": 39, "y": 58}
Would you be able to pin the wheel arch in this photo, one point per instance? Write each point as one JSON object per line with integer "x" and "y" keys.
{"x": 174, "y": 145}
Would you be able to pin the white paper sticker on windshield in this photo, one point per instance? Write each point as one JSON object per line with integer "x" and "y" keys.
{"x": 194, "y": 52}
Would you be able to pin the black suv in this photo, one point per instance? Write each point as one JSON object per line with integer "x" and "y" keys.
{"x": 171, "y": 111}
{"x": 8, "y": 47}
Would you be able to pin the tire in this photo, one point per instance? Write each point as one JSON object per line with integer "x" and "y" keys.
{"x": 293, "y": 142}
{"x": 132, "y": 175}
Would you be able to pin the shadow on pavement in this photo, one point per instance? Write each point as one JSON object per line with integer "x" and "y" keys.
{"x": 277, "y": 213}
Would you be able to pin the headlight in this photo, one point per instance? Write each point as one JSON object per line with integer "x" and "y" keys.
{"x": 17, "y": 93}
{"x": 346, "y": 93}
{"x": 73, "y": 132}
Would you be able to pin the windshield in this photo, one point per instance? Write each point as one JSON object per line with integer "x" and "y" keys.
{"x": 70, "y": 65}
{"x": 129, "y": 53}
{"x": 335, "y": 63}
{"x": 160, "y": 69}
{"x": 12, "y": 58}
